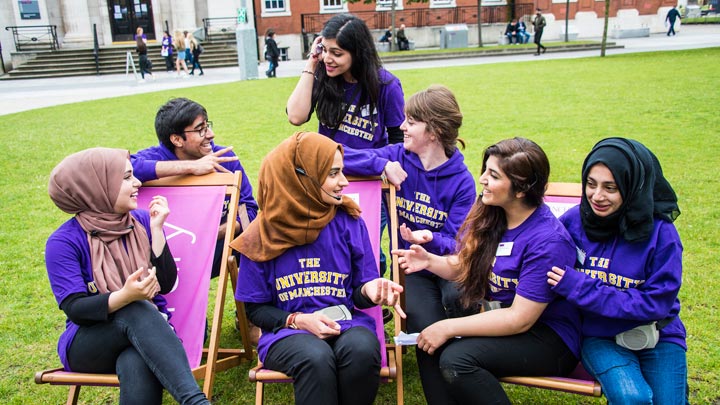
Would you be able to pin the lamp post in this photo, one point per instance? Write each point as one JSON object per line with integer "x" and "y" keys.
{"x": 567, "y": 17}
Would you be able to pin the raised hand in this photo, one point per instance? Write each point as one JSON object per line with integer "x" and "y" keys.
{"x": 417, "y": 237}
{"x": 382, "y": 291}
{"x": 414, "y": 259}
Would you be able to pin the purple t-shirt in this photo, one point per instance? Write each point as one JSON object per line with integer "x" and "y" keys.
{"x": 522, "y": 261}
{"x": 69, "y": 268}
{"x": 620, "y": 285}
{"x": 144, "y": 162}
{"x": 367, "y": 129}
{"x": 310, "y": 277}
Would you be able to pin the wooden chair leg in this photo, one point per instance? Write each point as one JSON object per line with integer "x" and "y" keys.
{"x": 259, "y": 393}
{"x": 73, "y": 394}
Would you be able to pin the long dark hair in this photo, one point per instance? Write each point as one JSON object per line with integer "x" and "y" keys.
{"x": 353, "y": 36}
{"x": 528, "y": 169}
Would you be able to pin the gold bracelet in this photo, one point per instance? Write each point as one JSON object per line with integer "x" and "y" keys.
{"x": 308, "y": 72}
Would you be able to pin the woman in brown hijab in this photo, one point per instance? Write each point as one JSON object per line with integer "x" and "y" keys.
{"x": 108, "y": 267}
{"x": 306, "y": 266}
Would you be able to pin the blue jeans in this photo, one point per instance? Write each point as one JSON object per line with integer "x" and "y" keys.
{"x": 339, "y": 370}
{"x": 523, "y": 36}
{"x": 652, "y": 376}
{"x": 138, "y": 344}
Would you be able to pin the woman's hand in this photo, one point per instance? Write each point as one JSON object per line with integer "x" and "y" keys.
{"x": 382, "y": 291}
{"x": 416, "y": 237}
{"x": 314, "y": 56}
{"x": 555, "y": 275}
{"x": 317, "y": 324}
{"x": 395, "y": 174}
{"x": 159, "y": 211}
{"x": 414, "y": 259}
{"x": 434, "y": 336}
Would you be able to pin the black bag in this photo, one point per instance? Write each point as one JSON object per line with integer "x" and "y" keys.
{"x": 200, "y": 49}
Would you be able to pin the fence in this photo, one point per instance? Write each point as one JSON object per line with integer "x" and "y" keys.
{"x": 34, "y": 37}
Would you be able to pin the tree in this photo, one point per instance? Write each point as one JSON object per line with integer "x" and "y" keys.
{"x": 393, "y": 43}
{"x": 604, "y": 38}
{"x": 479, "y": 17}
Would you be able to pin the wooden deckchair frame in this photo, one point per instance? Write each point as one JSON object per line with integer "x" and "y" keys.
{"x": 217, "y": 359}
{"x": 577, "y": 383}
{"x": 393, "y": 369}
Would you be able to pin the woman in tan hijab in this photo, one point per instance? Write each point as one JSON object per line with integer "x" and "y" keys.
{"x": 306, "y": 266}
{"x": 108, "y": 267}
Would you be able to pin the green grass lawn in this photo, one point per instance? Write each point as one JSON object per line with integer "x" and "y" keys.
{"x": 661, "y": 99}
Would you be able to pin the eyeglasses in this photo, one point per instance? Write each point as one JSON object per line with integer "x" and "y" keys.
{"x": 202, "y": 131}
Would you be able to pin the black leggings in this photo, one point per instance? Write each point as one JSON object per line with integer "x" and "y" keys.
{"x": 340, "y": 370}
{"x": 471, "y": 366}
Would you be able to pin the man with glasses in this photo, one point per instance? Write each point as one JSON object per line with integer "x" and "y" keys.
{"x": 187, "y": 147}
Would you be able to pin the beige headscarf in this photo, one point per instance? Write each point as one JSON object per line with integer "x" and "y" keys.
{"x": 293, "y": 212}
{"x": 87, "y": 184}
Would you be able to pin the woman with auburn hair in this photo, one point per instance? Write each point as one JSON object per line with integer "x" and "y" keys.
{"x": 432, "y": 204}
{"x": 507, "y": 243}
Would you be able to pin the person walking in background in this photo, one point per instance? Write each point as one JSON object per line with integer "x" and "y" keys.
{"x": 109, "y": 266}
{"x": 627, "y": 276}
{"x": 672, "y": 15}
{"x": 539, "y": 24}
{"x": 145, "y": 63}
{"x": 196, "y": 50}
{"x": 179, "y": 43}
{"x": 166, "y": 51}
{"x": 272, "y": 53}
{"x": 188, "y": 51}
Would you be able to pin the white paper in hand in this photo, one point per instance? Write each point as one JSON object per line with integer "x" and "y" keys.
{"x": 405, "y": 339}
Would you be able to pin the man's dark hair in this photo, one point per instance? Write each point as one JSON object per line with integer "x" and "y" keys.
{"x": 174, "y": 116}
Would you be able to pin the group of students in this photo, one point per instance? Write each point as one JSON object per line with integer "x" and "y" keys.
{"x": 188, "y": 51}
{"x": 496, "y": 285}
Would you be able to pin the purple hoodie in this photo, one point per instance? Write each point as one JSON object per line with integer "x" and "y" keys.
{"x": 620, "y": 285}
{"x": 437, "y": 200}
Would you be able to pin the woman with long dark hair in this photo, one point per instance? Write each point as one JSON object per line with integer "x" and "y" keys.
{"x": 507, "y": 243}
{"x": 145, "y": 63}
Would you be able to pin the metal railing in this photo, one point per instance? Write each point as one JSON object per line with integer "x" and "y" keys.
{"x": 96, "y": 50}
{"x": 222, "y": 24}
{"x": 34, "y": 37}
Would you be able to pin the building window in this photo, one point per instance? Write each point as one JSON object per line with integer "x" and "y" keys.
{"x": 333, "y": 6}
{"x": 442, "y": 3}
{"x": 382, "y": 5}
{"x": 274, "y": 5}
{"x": 275, "y": 8}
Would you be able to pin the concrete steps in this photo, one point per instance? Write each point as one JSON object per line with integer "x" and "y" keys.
{"x": 221, "y": 52}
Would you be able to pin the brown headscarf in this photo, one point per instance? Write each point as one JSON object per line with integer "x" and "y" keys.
{"x": 87, "y": 184}
{"x": 293, "y": 212}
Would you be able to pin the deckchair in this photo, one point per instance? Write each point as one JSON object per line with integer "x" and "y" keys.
{"x": 216, "y": 358}
{"x": 369, "y": 191}
{"x": 560, "y": 197}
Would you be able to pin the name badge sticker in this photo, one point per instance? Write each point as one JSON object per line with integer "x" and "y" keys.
{"x": 504, "y": 249}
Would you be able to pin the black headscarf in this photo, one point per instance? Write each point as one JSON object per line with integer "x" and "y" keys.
{"x": 644, "y": 190}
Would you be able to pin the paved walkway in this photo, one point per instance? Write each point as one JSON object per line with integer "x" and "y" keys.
{"x": 23, "y": 95}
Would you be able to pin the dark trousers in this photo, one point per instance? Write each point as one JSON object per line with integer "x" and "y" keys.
{"x": 429, "y": 299}
{"x": 169, "y": 65}
{"x": 196, "y": 62}
{"x": 272, "y": 67}
{"x": 139, "y": 345}
{"x": 340, "y": 370}
{"x": 672, "y": 28}
{"x": 538, "y": 36}
{"x": 471, "y": 366}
